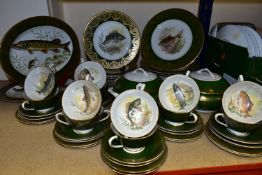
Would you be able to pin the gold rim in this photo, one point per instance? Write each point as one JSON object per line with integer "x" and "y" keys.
{"x": 111, "y": 15}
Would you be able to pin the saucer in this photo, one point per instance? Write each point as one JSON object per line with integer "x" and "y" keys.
{"x": 145, "y": 169}
{"x": 148, "y": 160}
{"x": 34, "y": 114}
{"x": 232, "y": 148}
{"x": 7, "y": 94}
{"x": 27, "y": 121}
{"x": 254, "y": 138}
{"x": 244, "y": 145}
{"x": 66, "y": 133}
{"x": 86, "y": 144}
{"x": 184, "y": 129}
{"x": 149, "y": 154}
{"x": 34, "y": 118}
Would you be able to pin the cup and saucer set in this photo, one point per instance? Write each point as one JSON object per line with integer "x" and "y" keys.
{"x": 133, "y": 145}
{"x": 178, "y": 99}
{"x": 84, "y": 120}
{"x": 42, "y": 97}
{"x": 238, "y": 128}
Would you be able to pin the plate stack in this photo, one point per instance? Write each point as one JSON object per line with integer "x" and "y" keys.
{"x": 66, "y": 136}
{"x": 33, "y": 117}
{"x": 146, "y": 161}
{"x": 250, "y": 145}
{"x": 184, "y": 133}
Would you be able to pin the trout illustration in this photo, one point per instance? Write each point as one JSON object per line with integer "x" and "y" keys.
{"x": 179, "y": 96}
{"x": 47, "y": 84}
{"x": 41, "y": 45}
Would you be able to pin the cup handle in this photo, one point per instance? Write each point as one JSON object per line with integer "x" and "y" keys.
{"x": 140, "y": 86}
{"x": 141, "y": 70}
{"x": 110, "y": 142}
{"x": 110, "y": 90}
{"x": 106, "y": 117}
{"x": 240, "y": 78}
{"x": 195, "y": 118}
{"x": 58, "y": 115}
{"x": 219, "y": 122}
{"x": 24, "y": 106}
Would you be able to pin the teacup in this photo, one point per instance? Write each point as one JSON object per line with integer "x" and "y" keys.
{"x": 44, "y": 106}
{"x": 91, "y": 71}
{"x": 83, "y": 126}
{"x": 39, "y": 83}
{"x": 130, "y": 144}
{"x": 242, "y": 104}
{"x": 134, "y": 115}
{"x": 178, "y": 97}
{"x": 81, "y": 103}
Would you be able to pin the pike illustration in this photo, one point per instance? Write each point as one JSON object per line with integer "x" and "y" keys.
{"x": 41, "y": 45}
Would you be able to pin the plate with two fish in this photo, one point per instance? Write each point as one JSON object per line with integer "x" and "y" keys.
{"x": 39, "y": 41}
{"x": 171, "y": 40}
{"x": 112, "y": 39}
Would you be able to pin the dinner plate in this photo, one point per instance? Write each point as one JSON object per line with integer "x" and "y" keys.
{"x": 39, "y": 41}
{"x": 112, "y": 39}
{"x": 171, "y": 40}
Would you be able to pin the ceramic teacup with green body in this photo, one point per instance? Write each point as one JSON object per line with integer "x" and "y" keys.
{"x": 134, "y": 115}
{"x": 178, "y": 97}
{"x": 82, "y": 107}
{"x": 242, "y": 106}
{"x": 41, "y": 91}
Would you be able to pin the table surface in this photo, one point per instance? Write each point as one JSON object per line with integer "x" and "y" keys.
{"x": 27, "y": 149}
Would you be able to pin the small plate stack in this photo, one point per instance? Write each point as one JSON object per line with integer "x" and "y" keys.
{"x": 65, "y": 135}
{"x": 32, "y": 117}
{"x": 250, "y": 146}
{"x": 146, "y": 161}
{"x": 184, "y": 133}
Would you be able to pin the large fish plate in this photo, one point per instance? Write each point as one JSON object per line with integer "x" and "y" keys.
{"x": 112, "y": 39}
{"x": 171, "y": 41}
{"x": 39, "y": 41}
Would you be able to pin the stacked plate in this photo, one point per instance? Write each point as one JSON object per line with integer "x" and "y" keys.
{"x": 250, "y": 146}
{"x": 32, "y": 117}
{"x": 146, "y": 161}
{"x": 66, "y": 136}
{"x": 184, "y": 133}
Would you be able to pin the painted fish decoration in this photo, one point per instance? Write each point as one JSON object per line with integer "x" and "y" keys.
{"x": 47, "y": 84}
{"x": 87, "y": 98}
{"x": 170, "y": 42}
{"x": 85, "y": 75}
{"x": 32, "y": 63}
{"x": 113, "y": 37}
{"x": 134, "y": 109}
{"x": 41, "y": 45}
{"x": 245, "y": 103}
{"x": 179, "y": 96}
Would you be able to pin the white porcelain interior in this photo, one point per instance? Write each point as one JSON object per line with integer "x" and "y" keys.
{"x": 112, "y": 40}
{"x": 187, "y": 86}
{"x": 81, "y": 100}
{"x": 205, "y": 75}
{"x": 242, "y": 102}
{"x": 15, "y": 92}
{"x": 140, "y": 75}
{"x": 91, "y": 71}
{"x": 134, "y": 113}
{"x": 39, "y": 83}
{"x": 232, "y": 34}
{"x": 171, "y": 39}
{"x": 243, "y": 36}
